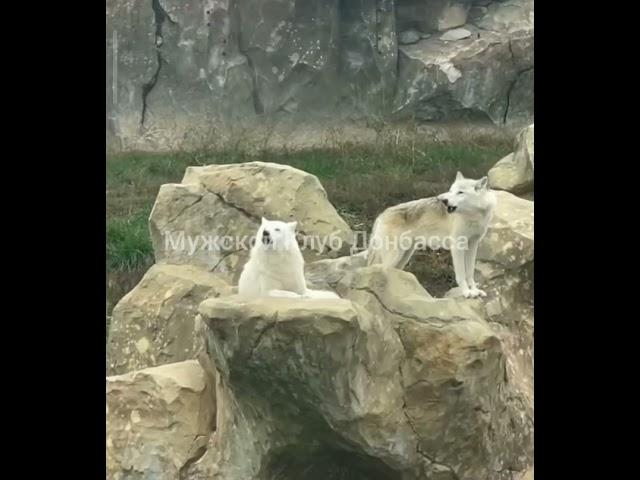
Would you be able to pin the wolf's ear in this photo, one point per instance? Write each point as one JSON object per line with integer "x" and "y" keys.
{"x": 263, "y": 220}
{"x": 482, "y": 183}
{"x": 459, "y": 176}
{"x": 292, "y": 226}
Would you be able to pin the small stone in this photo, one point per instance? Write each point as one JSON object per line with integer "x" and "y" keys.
{"x": 409, "y": 37}
{"x": 455, "y": 34}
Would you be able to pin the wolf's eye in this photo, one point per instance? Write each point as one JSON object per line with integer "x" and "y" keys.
{"x": 277, "y": 229}
{"x": 460, "y": 193}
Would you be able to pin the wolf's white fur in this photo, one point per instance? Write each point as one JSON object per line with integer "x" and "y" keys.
{"x": 462, "y": 216}
{"x": 276, "y": 266}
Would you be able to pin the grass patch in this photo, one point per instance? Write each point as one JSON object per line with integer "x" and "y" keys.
{"x": 128, "y": 243}
{"x": 361, "y": 181}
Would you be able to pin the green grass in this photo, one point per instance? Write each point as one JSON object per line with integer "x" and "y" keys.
{"x": 128, "y": 244}
{"x": 360, "y": 182}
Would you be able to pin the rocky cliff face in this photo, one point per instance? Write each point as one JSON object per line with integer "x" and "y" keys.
{"x": 177, "y": 70}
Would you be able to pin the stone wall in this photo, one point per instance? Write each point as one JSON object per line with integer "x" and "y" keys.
{"x": 180, "y": 71}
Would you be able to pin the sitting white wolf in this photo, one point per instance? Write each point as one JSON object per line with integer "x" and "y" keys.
{"x": 276, "y": 267}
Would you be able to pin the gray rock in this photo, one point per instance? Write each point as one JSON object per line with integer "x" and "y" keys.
{"x": 409, "y": 36}
{"x": 455, "y": 34}
{"x": 488, "y": 76}
{"x": 509, "y": 16}
{"x": 432, "y": 15}
{"x": 514, "y": 173}
{"x": 521, "y": 98}
{"x": 476, "y": 13}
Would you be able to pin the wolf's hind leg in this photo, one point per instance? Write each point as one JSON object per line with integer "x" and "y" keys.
{"x": 458, "y": 256}
{"x": 404, "y": 260}
{"x": 393, "y": 257}
{"x": 470, "y": 268}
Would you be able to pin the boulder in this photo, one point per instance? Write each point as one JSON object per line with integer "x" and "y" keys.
{"x": 432, "y": 15}
{"x": 508, "y": 16}
{"x": 486, "y": 74}
{"x": 386, "y": 382}
{"x": 409, "y": 36}
{"x": 159, "y": 421}
{"x": 514, "y": 173}
{"x": 509, "y": 240}
{"x": 154, "y": 323}
{"x": 505, "y": 271}
{"x": 325, "y": 274}
{"x": 210, "y": 219}
{"x": 455, "y": 34}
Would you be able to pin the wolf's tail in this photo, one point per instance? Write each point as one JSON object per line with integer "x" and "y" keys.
{"x": 307, "y": 294}
{"x": 320, "y": 294}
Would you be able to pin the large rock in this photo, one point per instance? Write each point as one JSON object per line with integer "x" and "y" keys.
{"x": 509, "y": 240}
{"x": 385, "y": 383}
{"x": 514, "y": 173}
{"x": 324, "y": 274}
{"x": 432, "y": 15}
{"x": 210, "y": 219}
{"x": 183, "y": 68}
{"x": 505, "y": 265}
{"x": 159, "y": 421}
{"x": 505, "y": 272}
{"x": 484, "y": 76}
{"x": 154, "y": 323}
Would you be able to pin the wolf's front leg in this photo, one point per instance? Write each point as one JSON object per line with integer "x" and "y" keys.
{"x": 470, "y": 268}
{"x": 298, "y": 282}
{"x": 458, "y": 256}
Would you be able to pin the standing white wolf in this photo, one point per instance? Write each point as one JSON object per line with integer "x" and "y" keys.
{"x": 456, "y": 220}
{"x": 276, "y": 266}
